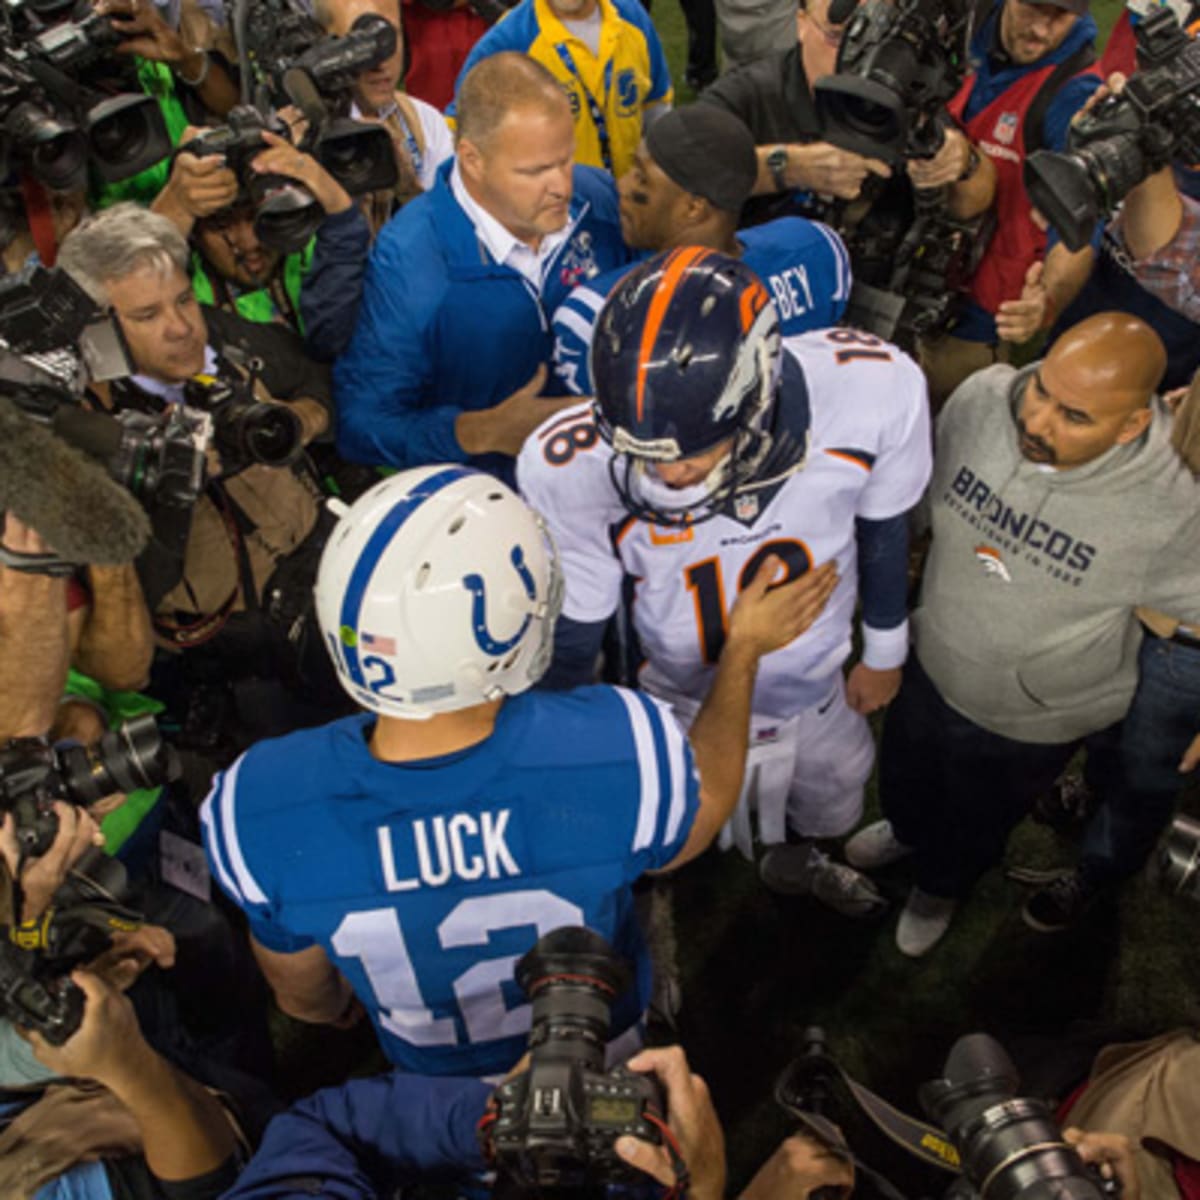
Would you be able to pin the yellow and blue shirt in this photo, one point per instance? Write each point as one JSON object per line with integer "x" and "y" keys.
{"x": 609, "y": 91}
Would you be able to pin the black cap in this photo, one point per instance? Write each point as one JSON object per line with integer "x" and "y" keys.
{"x": 706, "y": 151}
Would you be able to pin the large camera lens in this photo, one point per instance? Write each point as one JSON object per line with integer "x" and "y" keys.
{"x": 125, "y": 759}
{"x": 56, "y": 152}
{"x": 1077, "y": 189}
{"x": 1011, "y": 1148}
{"x": 126, "y": 134}
{"x": 286, "y": 214}
{"x": 862, "y": 116}
{"x": 359, "y": 156}
{"x": 253, "y": 432}
{"x": 572, "y": 977}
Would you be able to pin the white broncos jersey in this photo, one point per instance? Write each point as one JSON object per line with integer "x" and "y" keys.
{"x": 865, "y": 404}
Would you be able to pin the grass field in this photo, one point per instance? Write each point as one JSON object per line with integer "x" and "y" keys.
{"x": 760, "y": 968}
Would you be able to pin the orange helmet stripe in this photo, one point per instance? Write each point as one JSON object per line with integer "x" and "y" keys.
{"x": 754, "y": 300}
{"x": 673, "y": 271}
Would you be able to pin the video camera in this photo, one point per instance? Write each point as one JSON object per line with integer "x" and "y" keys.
{"x": 37, "y": 957}
{"x": 1001, "y": 1145}
{"x": 55, "y": 124}
{"x": 554, "y": 1125}
{"x": 898, "y": 66}
{"x": 1152, "y": 122}
{"x": 246, "y": 430}
{"x": 57, "y": 339}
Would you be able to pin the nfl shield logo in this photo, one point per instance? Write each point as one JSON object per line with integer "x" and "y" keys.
{"x": 746, "y": 507}
{"x": 1006, "y": 129}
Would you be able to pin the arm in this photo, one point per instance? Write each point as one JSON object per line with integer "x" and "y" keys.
{"x": 883, "y": 589}
{"x": 576, "y": 648}
{"x": 332, "y": 289}
{"x": 197, "y": 187}
{"x": 185, "y": 1132}
{"x": 306, "y": 984}
{"x": 112, "y": 640}
{"x": 817, "y": 167}
{"x": 33, "y": 640}
{"x": 965, "y": 197}
{"x": 404, "y": 1126}
{"x": 765, "y": 618}
{"x": 148, "y": 35}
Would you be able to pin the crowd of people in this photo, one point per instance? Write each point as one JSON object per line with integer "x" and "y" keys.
{"x": 548, "y": 523}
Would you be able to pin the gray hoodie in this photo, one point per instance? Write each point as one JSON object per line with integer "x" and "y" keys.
{"x": 1026, "y": 620}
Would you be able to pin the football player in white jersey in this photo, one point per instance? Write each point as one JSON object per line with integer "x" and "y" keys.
{"x": 711, "y": 446}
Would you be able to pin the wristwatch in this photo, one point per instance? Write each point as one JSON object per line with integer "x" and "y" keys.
{"x": 777, "y": 163}
{"x": 973, "y": 160}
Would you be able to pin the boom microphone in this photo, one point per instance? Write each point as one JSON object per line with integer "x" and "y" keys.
{"x": 66, "y": 497}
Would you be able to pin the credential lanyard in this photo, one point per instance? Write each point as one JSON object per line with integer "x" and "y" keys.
{"x": 414, "y": 151}
{"x": 594, "y": 108}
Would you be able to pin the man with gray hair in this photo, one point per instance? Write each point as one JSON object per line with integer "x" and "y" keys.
{"x": 209, "y": 585}
{"x": 449, "y": 356}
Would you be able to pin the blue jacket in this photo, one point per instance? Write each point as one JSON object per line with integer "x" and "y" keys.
{"x": 332, "y": 288}
{"x": 361, "y": 1140}
{"x": 442, "y": 328}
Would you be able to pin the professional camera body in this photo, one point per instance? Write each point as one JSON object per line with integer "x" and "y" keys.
{"x": 33, "y": 774}
{"x": 67, "y": 103}
{"x": 898, "y": 67}
{"x": 53, "y": 340}
{"x": 245, "y": 430}
{"x": 554, "y": 1125}
{"x": 292, "y": 60}
{"x": 36, "y": 957}
{"x": 1152, "y": 122}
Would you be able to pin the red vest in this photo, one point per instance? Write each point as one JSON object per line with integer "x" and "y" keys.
{"x": 999, "y": 132}
{"x": 1121, "y": 52}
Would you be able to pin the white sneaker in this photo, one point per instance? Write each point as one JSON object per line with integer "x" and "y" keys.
{"x": 923, "y": 922}
{"x": 875, "y": 846}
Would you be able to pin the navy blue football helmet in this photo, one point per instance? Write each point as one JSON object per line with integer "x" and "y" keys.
{"x": 686, "y": 356}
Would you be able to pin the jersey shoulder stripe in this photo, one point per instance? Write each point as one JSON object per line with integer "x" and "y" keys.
{"x": 220, "y": 819}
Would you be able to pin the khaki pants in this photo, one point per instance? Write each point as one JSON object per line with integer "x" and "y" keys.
{"x": 948, "y": 360}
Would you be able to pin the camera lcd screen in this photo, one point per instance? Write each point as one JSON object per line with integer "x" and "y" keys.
{"x": 614, "y": 1110}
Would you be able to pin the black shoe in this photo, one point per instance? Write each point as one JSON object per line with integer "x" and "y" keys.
{"x": 1066, "y": 806}
{"x": 1060, "y": 904}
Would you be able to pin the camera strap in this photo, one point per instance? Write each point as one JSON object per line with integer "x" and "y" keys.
{"x": 595, "y": 110}
{"x": 919, "y": 1138}
{"x": 48, "y": 563}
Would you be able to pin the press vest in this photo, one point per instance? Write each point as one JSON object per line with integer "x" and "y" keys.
{"x": 999, "y": 132}
{"x": 260, "y": 305}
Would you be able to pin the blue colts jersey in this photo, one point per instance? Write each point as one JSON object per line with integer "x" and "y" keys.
{"x": 425, "y": 881}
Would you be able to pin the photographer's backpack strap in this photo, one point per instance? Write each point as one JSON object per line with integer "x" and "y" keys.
{"x": 1035, "y": 135}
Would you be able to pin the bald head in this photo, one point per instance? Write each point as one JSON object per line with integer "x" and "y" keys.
{"x": 1118, "y": 353}
{"x": 1092, "y": 391}
{"x": 502, "y": 84}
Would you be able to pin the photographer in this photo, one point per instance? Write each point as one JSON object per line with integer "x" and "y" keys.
{"x": 358, "y": 1141}
{"x": 1145, "y": 261}
{"x": 231, "y": 269}
{"x": 1032, "y": 73}
{"x": 773, "y": 97}
{"x": 251, "y": 519}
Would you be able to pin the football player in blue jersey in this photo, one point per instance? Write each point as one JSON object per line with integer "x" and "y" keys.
{"x": 690, "y": 177}
{"x": 710, "y": 447}
{"x": 409, "y": 855}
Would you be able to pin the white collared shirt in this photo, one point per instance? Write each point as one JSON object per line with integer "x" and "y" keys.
{"x": 172, "y": 393}
{"x": 501, "y": 245}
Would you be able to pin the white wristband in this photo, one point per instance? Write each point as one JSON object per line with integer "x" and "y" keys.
{"x": 885, "y": 649}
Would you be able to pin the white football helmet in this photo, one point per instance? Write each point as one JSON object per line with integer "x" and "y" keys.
{"x": 438, "y": 589}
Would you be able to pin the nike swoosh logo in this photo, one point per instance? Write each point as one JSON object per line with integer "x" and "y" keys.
{"x": 827, "y": 705}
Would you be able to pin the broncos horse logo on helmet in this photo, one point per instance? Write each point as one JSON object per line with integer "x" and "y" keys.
{"x": 686, "y": 357}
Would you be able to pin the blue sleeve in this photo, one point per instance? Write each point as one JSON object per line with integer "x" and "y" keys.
{"x": 509, "y": 33}
{"x": 332, "y": 289}
{"x": 883, "y": 570}
{"x": 660, "y": 73}
{"x": 1063, "y": 107}
{"x": 574, "y": 323}
{"x": 361, "y": 1140}
{"x": 576, "y": 647}
{"x": 384, "y": 380}
{"x": 225, "y": 849}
